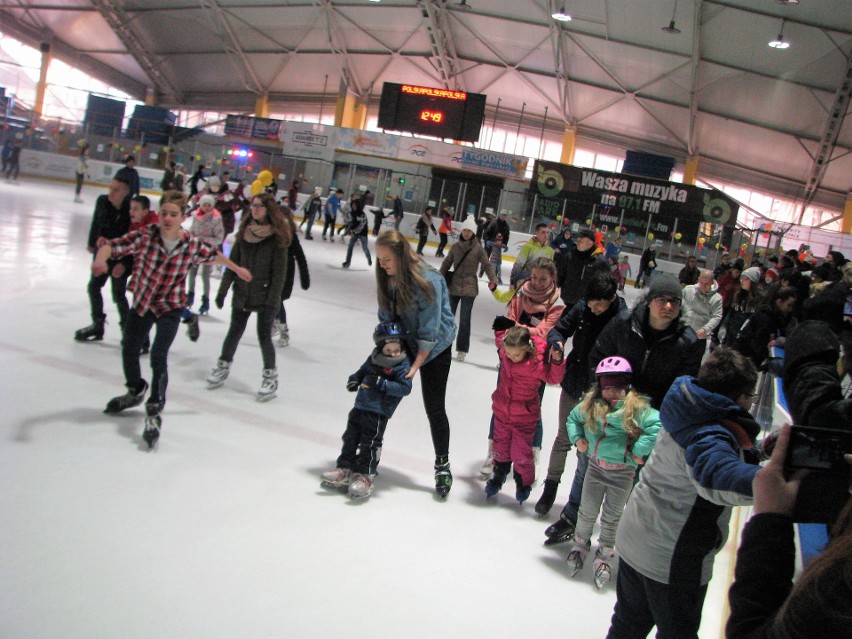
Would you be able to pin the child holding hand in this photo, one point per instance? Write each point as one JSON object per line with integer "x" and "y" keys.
{"x": 516, "y": 404}
{"x": 616, "y": 427}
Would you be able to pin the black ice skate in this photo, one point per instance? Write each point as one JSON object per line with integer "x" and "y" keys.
{"x": 94, "y": 332}
{"x": 153, "y": 422}
{"x": 498, "y": 478}
{"x": 559, "y": 532}
{"x": 548, "y": 496}
{"x": 129, "y": 400}
{"x": 443, "y": 477}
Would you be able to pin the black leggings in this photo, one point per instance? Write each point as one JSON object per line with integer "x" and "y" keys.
{"x": 239, "y": 320}
{"x": 433, "y": 382}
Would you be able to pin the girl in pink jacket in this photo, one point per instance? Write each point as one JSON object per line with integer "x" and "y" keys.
{"x": 524, "y": 365}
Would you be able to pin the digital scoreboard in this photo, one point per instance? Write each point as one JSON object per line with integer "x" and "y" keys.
{"x": 440, "y": 113}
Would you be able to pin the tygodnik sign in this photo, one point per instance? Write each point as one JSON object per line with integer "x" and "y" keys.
{"x": 635, "y": 196}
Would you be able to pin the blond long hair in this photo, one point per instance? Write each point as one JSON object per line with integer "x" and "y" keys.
{"x": 274, "y": 216}
{"x": 407, "y": 280}
{"x": 595, "y": 408}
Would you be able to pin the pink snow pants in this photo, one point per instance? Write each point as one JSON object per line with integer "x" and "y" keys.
{"x": 513, "y": 442}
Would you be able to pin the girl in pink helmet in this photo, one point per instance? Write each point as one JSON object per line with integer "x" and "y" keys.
{"x": 617, "y": 428}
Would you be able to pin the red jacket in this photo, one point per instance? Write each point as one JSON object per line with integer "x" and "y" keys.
{"x": 516, "y": 398}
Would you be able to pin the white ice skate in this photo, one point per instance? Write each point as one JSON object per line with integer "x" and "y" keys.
{"x": 219, "y": 374}
{"x": 575, "y": 561}
{"x": 488, "y": 465}
{"x": 269, "y": 385}
{"x": 336, "y": 478}
{"x": 603, "y": 572}
{"x": 360, "y": 486}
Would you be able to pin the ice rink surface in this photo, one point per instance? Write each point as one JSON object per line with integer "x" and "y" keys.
{"x": 223, "y": 531}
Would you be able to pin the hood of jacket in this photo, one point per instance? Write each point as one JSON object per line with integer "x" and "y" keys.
{"x": 688, "y": 407}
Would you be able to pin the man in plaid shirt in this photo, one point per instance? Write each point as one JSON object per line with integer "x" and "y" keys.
{"x": 163, "y": 254}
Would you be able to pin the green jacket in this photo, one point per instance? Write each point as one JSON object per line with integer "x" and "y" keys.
{"x": 610, "y": 442}
{"x": 267, "y": 263}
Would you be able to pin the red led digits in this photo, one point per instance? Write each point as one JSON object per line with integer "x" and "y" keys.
{"x": 432, "y": 116}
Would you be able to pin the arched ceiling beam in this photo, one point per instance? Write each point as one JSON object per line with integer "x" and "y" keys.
{"x": 441, "y": 41}
{"x": 828, "y": 142}
{"x": 118, "y": 20}
{"x": 233, "y": 47}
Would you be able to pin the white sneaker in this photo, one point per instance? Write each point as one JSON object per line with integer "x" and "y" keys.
{"x": 460, "y": 355}
{"x": 360, "y": 486}
{"x": 284, "y": 336}
{"x": 276, "y": 326}
{"x": 219, "y": 374}
{"x": 269, "y": 385}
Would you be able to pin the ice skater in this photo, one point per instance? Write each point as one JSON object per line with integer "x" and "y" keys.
{"x": 516, "y": 404}
{"x": 261, "y": 246}
{"x": 616, "y": 427}
{"x": 163, "y": 254}
{"x": 381, "y": 383}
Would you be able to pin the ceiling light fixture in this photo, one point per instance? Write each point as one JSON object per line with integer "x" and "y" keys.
{"x": 561, "y": 15}
{"x": 786, "y": 1}
{"x": 672, "y": 28}
{"x": 780, "y": 42}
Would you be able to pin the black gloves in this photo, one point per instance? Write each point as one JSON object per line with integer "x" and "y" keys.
{"x": 352, "y": 385}
{"x": 502, "y": 323}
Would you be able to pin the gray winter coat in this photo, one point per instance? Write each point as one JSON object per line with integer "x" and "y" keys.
{"x": 702, "y": 310}
{"x": 465, "y": 281}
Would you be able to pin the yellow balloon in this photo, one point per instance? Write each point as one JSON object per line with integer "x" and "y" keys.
{"x": 701, "y": 240}
{"x": 745, "y": 245}
{"x": 678, "y": 236}
{"x": 197, "y": 158}
{"x": 558, "y": 218}
{"x": 589, "y": 221}
{"x": 256, "y": 187}
{"x": 718, "y": 245}
{"x": 265, "y": 178}
{"x": 651, "y": 236}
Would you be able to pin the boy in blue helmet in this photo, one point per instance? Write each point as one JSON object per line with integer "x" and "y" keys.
{"x": 381, "y": 384}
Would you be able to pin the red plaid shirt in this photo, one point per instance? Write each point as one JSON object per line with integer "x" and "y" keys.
{"x": 159, "y": 277}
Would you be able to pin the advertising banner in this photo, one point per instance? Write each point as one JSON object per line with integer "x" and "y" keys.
{"x": 632, "y": 201}
{"x": 246, "y": 126}
{"x": 307, "y": 140}
{"x": 368, "y": 143}
{"x": 454, "y": 156}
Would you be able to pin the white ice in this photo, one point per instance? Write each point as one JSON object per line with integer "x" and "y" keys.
{"x": 223, "y": 530}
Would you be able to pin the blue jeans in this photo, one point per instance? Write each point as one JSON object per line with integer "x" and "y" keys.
{"x": 136, "y": 329}
{"x": 569, "y": 512}
{"x": 364, "y": 246}
{"x": 463, "y": 339}
{"x": 643, "y": 603}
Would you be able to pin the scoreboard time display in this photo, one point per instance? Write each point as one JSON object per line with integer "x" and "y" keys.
{"x": 440, "y": 113}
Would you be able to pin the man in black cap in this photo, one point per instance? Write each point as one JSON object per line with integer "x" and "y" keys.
{"x": 656, "y": 341}
{"x": 578, "y": 266}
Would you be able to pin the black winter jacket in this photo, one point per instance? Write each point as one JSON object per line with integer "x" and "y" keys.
{"x": 585, "y": 327}
{"x": 296, "y": 257}
{"x": 577, "y": 268}
{"x": 108, "y": 221}
{"x": 656, "y": 367}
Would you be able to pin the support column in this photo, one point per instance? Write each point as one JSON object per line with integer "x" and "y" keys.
{"x": 349, "y": 111}
{"x": 690, "y": 169}
{"x": 846, "y": 225}
{"x": 41, "y": 88}
{"x": 261, "y": 106}
{"x": 569, "y": 144}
